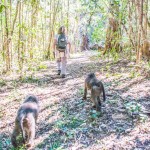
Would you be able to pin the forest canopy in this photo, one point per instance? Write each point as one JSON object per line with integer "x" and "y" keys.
{"x": 28, "y": 27}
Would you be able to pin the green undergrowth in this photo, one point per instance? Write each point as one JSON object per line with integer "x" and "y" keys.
{"x": 135, "y": 109}
{"x": 29, "y": 79}
{"x": 2, "y": 82}
{"x": 71, "y": 124}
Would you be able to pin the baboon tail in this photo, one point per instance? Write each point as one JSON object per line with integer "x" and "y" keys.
{"x": 22, "y": 130}
{"x": 104, "y": 96}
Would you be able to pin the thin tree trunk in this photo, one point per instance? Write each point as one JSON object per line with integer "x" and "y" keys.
{"x": 139, "y": 6}
{"x": 3, "y": 49}
{"x": 52, "y": 31}
{"x": 19, "y": 37}
{"x": 68, "y": 17}
{"x": 33, "y": 25}
{"x": 7, "y": 38}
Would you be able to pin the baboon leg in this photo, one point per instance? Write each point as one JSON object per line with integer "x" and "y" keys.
{"x": 15, "y": 133}
{"x": 31, "y": 136}
{"x": 98, "y": 108}
{"x": 99, "y": 101}
{"x": 95, "y": 100}
{"x": 85, "y": 92}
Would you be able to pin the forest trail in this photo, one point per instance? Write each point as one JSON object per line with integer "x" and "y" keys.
{"x": 68, "y": 122}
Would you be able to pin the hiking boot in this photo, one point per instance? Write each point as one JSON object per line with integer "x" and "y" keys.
{"x": 59, "y": 72}
{"x": 63, "y": 75}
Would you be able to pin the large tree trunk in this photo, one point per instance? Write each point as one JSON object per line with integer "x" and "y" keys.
{"x": 143, "y": 45}
{"x": 139, "y": 7}
{"x": 85, "y": 43}
{"x": 112, "y": 36}
{"x": 146, "y": 42}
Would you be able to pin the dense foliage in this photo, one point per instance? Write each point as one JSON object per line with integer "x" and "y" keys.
{"x": 27, "y": 28}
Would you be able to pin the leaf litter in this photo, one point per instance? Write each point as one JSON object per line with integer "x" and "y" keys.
{"x": 68, "y": 122}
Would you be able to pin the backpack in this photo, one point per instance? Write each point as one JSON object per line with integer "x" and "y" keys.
{"x": 61, "y": 42}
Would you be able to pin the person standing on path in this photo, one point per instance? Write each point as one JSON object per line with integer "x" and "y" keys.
{"x": 61, "y": 51}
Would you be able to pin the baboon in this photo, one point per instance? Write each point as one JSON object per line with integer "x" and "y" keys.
{"x": 96, "y": 87}
{"x": 25, "y": 121}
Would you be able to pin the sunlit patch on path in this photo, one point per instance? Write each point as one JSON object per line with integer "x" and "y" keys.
{"x": 68, "y": 122}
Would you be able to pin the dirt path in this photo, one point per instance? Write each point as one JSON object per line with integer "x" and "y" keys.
{"x": 68, "y": 122}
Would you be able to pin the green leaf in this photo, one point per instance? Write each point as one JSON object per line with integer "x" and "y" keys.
{"x": 2, "y": 8}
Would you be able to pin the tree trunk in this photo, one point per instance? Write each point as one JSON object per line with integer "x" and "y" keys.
{"x": 7, "y": 38}
{"x": 113, "y": 34}
{"x": 51, "y": 32}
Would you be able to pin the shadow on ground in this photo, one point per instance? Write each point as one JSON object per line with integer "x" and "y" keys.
{"x": 68, "y": 122}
